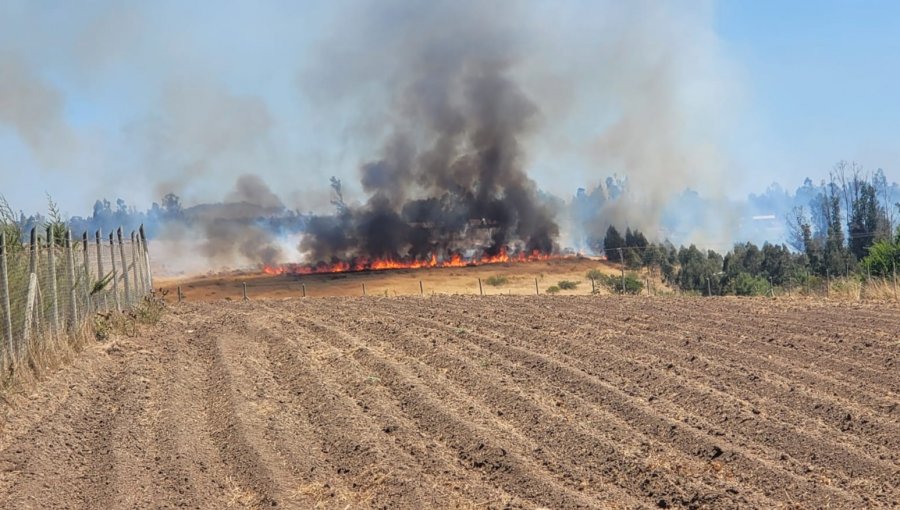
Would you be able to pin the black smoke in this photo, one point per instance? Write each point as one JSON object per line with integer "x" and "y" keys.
{"x": 450, "y": 173}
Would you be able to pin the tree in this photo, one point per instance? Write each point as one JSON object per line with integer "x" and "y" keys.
{"x": 612, "y": 244}
{"x": 171, "y": 206}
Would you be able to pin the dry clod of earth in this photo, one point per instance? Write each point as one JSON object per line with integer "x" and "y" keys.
{"x": 468, "y": 402}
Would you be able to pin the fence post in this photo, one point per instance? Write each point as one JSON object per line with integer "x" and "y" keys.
{"x": 421, "y": 288}
{"x": 54, "y": 284}
{"x": 593, "y": 286}
{"x": 32, "y": 260}
{"x": 100, "y": 275}
{"x": 537, "y": 291}
{"x": 303, "y": 289}
{"x": 180, "y": 295}
{"x": 480, "y": 288}
{"x": 115, "y": 273}
{"x": 827, "y": 283}
{"x": 364, "y": 289}
{"x": 138, "y": 273}
{"x": 146, "y": 254}
{"x": 87, "y": 273}
{"x": 4, "y": 289}
{"x": 124, "y": 268}
{"x": 70, "y": 273}
{"x": 622, "y": 261}
{"x": 29, "y": 311}
{"x": 244, "y": 286}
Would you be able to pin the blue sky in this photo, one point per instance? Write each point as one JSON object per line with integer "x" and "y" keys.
{"x": 135, "y": 99}
{"x": 823, "y": 80}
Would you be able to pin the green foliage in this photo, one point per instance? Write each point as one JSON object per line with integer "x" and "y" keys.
{"x": 594, "y": 274}
{"x": 883, "y": 258}
{"x": 497, "y": 280}
{"x": 746, "y": 284}
{"x": 9, "y": 226}
{"x": 612, "y": 244}
{"x": 567, "y": 285}
{"x": 700, "y": 272}
{"x": 553, "y": 289}
{"x": 632, "y": 283}
{"x": 56, "y": 224}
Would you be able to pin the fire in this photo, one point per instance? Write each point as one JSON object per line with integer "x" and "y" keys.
{"x": 366, "y": 264}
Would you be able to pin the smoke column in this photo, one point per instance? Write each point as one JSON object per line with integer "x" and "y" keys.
{"x": 452, "y": 155}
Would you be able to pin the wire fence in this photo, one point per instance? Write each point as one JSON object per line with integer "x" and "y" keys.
{"x": 50, "y": 288}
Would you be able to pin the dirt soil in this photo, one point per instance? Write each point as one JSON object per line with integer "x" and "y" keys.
{"x": 470, "y": 402}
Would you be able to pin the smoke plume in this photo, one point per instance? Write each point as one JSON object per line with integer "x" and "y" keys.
{"x": 453, "y": 159}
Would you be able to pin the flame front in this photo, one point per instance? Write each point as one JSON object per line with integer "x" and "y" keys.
{"x": 366, "y": 264}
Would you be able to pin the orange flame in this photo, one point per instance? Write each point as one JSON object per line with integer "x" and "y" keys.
{"x": 366, "y": 264}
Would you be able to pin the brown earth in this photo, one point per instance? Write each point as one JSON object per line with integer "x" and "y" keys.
{"x": 520, "y": 280}
{"x": 462, "y": 401}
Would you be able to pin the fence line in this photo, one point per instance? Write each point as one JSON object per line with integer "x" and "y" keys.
{"x": 865, "y": 289}
{"x": 47, "y": 300}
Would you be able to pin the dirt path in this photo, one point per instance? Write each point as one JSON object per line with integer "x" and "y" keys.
{"x": 467, "y": 402}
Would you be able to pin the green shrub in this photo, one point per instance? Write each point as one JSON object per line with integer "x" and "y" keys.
{"x": 633, "y": 284}
{"x": 567, "y": 285}
{"x": 594, "y": 274}
{"x": 553, "y": 289}
{"x": 747, "y": 285}
{"x": 497, "y": 280}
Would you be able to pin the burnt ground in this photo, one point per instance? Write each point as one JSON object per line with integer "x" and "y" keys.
{"x": 494, "y": 402}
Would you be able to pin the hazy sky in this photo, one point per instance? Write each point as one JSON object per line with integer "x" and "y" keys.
{"x": 133, "y": 99}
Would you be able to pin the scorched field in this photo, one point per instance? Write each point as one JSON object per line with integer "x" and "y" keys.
{"x": 492, "y": 402}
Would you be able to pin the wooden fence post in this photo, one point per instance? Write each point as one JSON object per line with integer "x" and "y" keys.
{"x": 115, "y": 273}
{"x": 244, "y": 286}
{"x": 70, "y": 269}
{"x": 364, "y": 288}
{"x": 54, "y": 284}
{"x": 4, "y": 290}
{"x": 125, "y": 279}
{"x": 303, "y": 289}
{"x": 100, "y": 275}
{"x": 146, "y": 253}
{"x": 180, "y": 295}
{"x": 88, "y": 300}
{"x": 537, "y": 291}
{"x": 421, "y": 288}
{"x": 29, "y": 311}
{"x": 593, "y": 287}
{"x": 32, "y": 260}
{"x": 138, "y": 272}
{"x": 480, "y": 288}
{"x": 622, "y": 260}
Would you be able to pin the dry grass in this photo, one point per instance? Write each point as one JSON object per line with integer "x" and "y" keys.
{"x": 46, "y": 352}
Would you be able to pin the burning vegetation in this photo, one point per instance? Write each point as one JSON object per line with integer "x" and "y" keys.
{"x": 380, "y": 264}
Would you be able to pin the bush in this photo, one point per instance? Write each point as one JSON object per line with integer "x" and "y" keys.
{"x": 567, "y": 285}
{"x": 747, "y": 285}
{"x": 553, "y": 289}
{"x": 497, "y": 280}
{"x": 633, "y": 284}
{"x": 594, "y": 274}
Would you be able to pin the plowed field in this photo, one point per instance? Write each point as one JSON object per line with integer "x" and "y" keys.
{"x": 474, "y": 402}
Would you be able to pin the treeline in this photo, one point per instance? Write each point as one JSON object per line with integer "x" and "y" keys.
{"x": 746, "y": 269}
{"x": 107, "y": 216}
